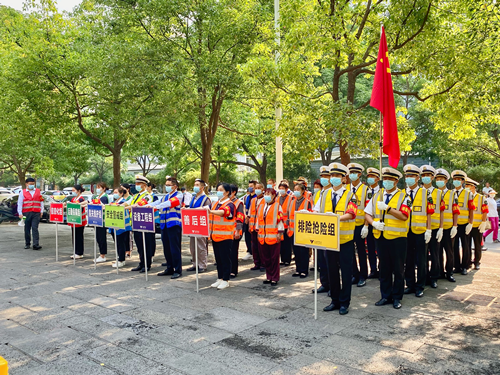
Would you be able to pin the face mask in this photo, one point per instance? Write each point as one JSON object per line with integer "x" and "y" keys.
{"x": 336, "y": 181}
{"x": 324, "y": 181}
{"x": 31, "y": 187}
{"x": 116, "y": 196}
{"x": 315, "y": 190}
{"x": 410, "y": 181}
{"x": 492, "y": 195}
{"x": 353, "y": 176}
{"x": 370, "y": 181}
{"x": 196, "y": 189}
{"x": 268, "y": 198}
{"x": 440, "y": 184}
{"x": 168, "y": 189}
{"x": 426, "y": 180}
{"x": 73, "y": 193}
{"x": 258, "y": 192}
{"x": 282, "y": 191}
{"x": 388, "y": 184}
{"x": 138, "y": 187}
{"x": 220, "y": 194}
{"x": 250, "y": 190}
{"x": 457, "y": 183}
{"x": 297, "y": 193}
{"x": 269, "y": 186}
{"x": 98, "y": 191}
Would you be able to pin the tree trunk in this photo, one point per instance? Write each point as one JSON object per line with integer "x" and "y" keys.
{"x": 117, "y": 154}
{"x": 345, "y": 158}
{"x": 263, "y": 170}
{"x": 75, "y": 178}
{"x": 405, "y": 158}
{"x": 22, "y": 178}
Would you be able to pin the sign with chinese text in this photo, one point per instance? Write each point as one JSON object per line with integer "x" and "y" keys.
{"x": 320, "y": 231}
{"x": 143, "y": 219}
{"x": 114, "y": 217}
{"x": 194, "y": 222}
{"x": 74, "y": 212}
{"x": 56, "y": 213}
{"x": 94, "y": 215}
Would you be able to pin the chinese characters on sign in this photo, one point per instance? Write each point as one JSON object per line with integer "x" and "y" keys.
{"x": 74, "y": 212}
{"x": 194, "y": 222}
{"x": 56, "y": 213}
{"x": 114, "y": 217}
{"x": 143, "y": 219}
{"x": 317, "y": 230}
{"x": 94, "y": 215}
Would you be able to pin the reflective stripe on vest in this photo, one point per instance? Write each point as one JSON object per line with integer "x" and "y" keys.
{"x": 285, "y": 208}
{"x": 268, "y": 224}
{"x": 394, "y": 228}
{"x": 463, "y": 205}
{"x": 418, "y": 216}
{"x": 361, "y": 201}
{"x": 221, "y": 228}
{"x": 346, "y": 230}
{"x": 32, "y": 203}
{"x": 253, "y": 213}
{"x": 478, "y": 214}
{"x": 304, "y": 205}
{"x": 436, "y": 195}
{"x": 448, "y": 199}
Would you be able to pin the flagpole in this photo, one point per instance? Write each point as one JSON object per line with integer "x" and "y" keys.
{"x": 381, "y": 123}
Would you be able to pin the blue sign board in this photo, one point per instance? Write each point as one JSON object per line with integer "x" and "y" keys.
{"x": 143, "y": 219}
{"x": 94, "y": 215}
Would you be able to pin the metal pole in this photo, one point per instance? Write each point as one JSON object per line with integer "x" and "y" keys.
{"x": 316, "y": 284}
{"x": 95, "y": 247}
{"x": 279, "y": 145}
{"x": 145, "y": 259}
{"x": 116, "y": 252}
{"x": 196, "y": 263}
{"x": 381, "y": 143}
{"x": 57, "y": 245}
{"x": 74, "y": 244}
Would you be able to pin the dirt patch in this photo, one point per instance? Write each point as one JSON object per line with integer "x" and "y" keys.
{"x": 238, "y": 342}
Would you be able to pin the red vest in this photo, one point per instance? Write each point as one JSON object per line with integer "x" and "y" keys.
{"x": 32, "y": 203}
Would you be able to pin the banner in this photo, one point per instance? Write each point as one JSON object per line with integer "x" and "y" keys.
{"x": 56, "y": 213}
{"x": 194, "y": 222}
{"x": 143, "y": 219}
{"x": 94, "y": 215}
{"x": 114, "y": 217}
{"x": 74, "y": 213}
{"x": 315, "y": 230}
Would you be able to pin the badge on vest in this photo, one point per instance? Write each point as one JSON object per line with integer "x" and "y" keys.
{"x": 417, "y": 208}
{"x": 354, "y": 200}
{"x": 461, "y": 204}
{"x": 339, "y": 212}
{"x": 446, "y": 206}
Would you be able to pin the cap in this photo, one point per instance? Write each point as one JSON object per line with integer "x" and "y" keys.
{"x": 355, "y": 167}
{"x": 391, "y": 172}
{"x": 301, "y": 180}
{"x": 373, "y": 171}
{"x": 200, "y": 181}
{"x": 427, "y": 169}
{"x": 470, "y": 181}
{"x": 411, "y": 169}
{"x": 338, "y": 168}
{"x": 30, "y": 179}
{"x": 324, "y": 169}
{"x": 141, "y": 179}
{"x": 492, "y": 192}
{"x": 440, "y": 172}
{"x": 458, "y": 173}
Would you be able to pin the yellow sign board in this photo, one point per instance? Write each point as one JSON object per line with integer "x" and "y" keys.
{"x": 316, "y": 230}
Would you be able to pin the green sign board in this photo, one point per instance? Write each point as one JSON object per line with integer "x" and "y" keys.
{"x": 74, "y": 213}
{"x": 114, "y": 217}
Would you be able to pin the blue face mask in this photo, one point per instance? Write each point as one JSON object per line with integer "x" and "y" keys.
{"x": 315, "y": 190}
{"x": 98, "y": 191}
{"x": 196, "y": 189}
{"x": 410, "y": 181}
{"x": 324, "y": 181}
{"x": 116, "y": 196}
{"x": 168, "y": 189}
{"x": 282, "y": 191}
{"x": 258, "y": 192}
{"x": 73, "y": 193}
{"x": 250, "y": 189}
{"x": 426, "y": 180}
{"x": 268, "y": 198}
{"x": 388, "y": 184}
{"x": 336, "y": 181}
{"x": 457, "y": 183}
{"x": 370, "y": 181}
{"x": 440, "y": 184}
{"x": 353, "y": 176}
{"x": 220, "y": 194}
{"x": 138, "y": 187}
{"x": 297, "y": 193}
{"x": 269, "y": 186}
{"x": 31, "y": 187}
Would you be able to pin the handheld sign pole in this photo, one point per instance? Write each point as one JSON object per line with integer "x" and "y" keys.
{"x": 57, "y": 245}
{"x": 315, "y": 284}
{"x": 56, "y": 216}
{"x": 74, "y": 215}
{"x": 116, "y": 252}
{"x": 145, "y": 259}
{"x": 95, "y": 219}
{"x": 196, "y": 264}
{"x": 74, "y": 245}
{"x": 95, "y": 247}
{"x": 143, "y": 220}
{"x": 114, "y": 218}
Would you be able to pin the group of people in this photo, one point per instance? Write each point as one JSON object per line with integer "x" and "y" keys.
{"x": 407, "y": 238}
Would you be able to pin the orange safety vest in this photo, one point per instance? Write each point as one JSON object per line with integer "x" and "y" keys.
{"x": 221, "y": 228}
{"x": 305, "y": 205}
{"x": 32, "y": 203}
{"x": 285, "y": 208}
{"x": 237, "y": 204}
{"x": 84, "y": 214}
{"x": 268, "y": 224}
{"x": 253, "y": 213}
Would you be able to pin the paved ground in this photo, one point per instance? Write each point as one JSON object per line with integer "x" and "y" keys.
{"x": 59, "y": 319}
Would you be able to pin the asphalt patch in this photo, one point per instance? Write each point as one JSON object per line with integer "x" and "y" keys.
{"x": 240, "y": 343}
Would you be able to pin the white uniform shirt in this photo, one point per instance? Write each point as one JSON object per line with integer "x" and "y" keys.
{"x": 486, "y": 190}
{"x": 492, "y": 207}
{"x": 369, "y": 209}
{"x": 317, "y": 206}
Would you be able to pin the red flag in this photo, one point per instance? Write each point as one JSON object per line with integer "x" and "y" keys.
{"x": 383, "y": 100}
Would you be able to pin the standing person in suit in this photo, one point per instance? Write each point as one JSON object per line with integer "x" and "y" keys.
{"x": 30, "y": 205}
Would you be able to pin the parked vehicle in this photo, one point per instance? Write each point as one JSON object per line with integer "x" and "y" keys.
{"x": 8, "y": 208}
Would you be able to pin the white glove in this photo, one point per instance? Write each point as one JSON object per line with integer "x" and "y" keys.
{"x": 378, "y": 225}
{"x": 382, "y": 206}
{"x": 453, "y": 232}
{"x": 468, "y": 228}
{"x": 428, "y": 235}
{"x": 364, "y": 231}
{"x": 439, "y": 235}
{"x": 482, "y": 227}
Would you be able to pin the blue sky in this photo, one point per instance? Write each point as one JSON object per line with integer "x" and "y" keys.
{"x": 67, "y": 5}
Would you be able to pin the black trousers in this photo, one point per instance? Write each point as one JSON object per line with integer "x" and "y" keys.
{"x": 372, "y": 250}
{"x": 416, "y": 254}
{"x": 301, "y": 258}
{"x": 257, "y": 261}
{"x": 171, "y": 239}
{"x": 391, "y": 256}
{"x": 121, "y": 245}
{"x": 100, "y": 234}
{"x": 461, "y": 262}
{"x": 235, "y": 248}
{"x": 361, "y": 272}
{"x": 286, "y": 248}
{"x": 150, "y": 240}
{"x": 340, "y": 263}
{"x": 222, "y": 252}
{"x": 477, "y": 237}
{"x": 323, "y": 269}
{"x": 31, "y": 225}
{"x": 446, "y": 248}
{"x": 435, "y": 259}
{"x": 248, "y": 238}
{"x": 78, "y": 239}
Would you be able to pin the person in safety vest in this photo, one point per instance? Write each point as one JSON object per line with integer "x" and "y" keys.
{"x": 419, "y": 233}
{"x": 239, "y": 208}
{"x": 247, "y": 200}
{"x": 317, "y": 187}
{"x": 101, "y": 198}
{"x": 342, "y": 202}
{"x": 30, "y": 205}
{"x": 465, "y": 204}
{"x": 222, "y": 220}
{"x": 303, "y": 181}
{"x": 479, "y": 223}
{"x": 142, "y": 199}
{"x": 372, "y": 179}
{"x": 252, "y": 223}
{"x": 122, "y": 239}
{"x": 285, "y": 201}
{"x": 76, "y": 194}
{"x": 388, "y": 212}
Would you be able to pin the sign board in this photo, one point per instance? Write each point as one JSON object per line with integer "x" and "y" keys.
{"x": 194, "y": 222}
{"x": 143, "y": 219}
{"x": 56, "y": 213}
{"x": 114, "y": 217}
{"x": 316, "y": 230}
{"x": 74, "y": 213}
{"x": 94, "y": 215}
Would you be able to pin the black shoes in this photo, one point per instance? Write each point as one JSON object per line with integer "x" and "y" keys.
{"x": 262, "y": 269}
{"x": 138, "y": 268}
{"x": 27, "y": 246}
{"x": 190, "y": 269}
{"x": 383, "y": 301}
{"x": 420, "y": 293}
{"x": 434, "y": 284}
{"x": 354, "y": 281}
{"x": 166, "y": 272}
{"x": 451, "y": 279}
{"x": 36, "y": 247}
{"x": 476, "y": 266}
{"x": 361, "y": 283}
{"x": 464, "y": 272}
{"x": 143, "y": 270}
{"x": 396, "y": 304}
{"x": 266, "y": 282}
{"x": 303, "y": 275}
{"x": 373, "y": 275}
{"x": 176, "y": 275}
{"x": 331, "y": 307}
{"x": 296, "y": 274}
{"x": 274, "y": 283}
{"x": 409, "y": 291}
{"x": 164, "y": 264}
{"x": 343, "y": 310}
{"x": 321, "y": 289}
{"x": 256, "y": 268}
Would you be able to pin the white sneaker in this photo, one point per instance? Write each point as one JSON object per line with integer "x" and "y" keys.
{"x": 100, "y": 259}
{"x": 247, "y": 256}
{"x": 76, "y": 256}
{"x": 223, "y": 285}
{"x": 217, "y": 283}
{"x": 120, "y": 264}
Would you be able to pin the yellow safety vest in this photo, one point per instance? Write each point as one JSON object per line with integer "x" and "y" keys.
{"x": 463, "y": 205}
{"x": 478, "y": 214}
{"x": 346, "y": 227}
{"x": 324, "y": 201}
{"x": 394, "y": 228}
{"x": 316, "y": 196}
{"x": 418, "y": 217}
{"x": 436, "y": 196}
{"x": 448, "y": 198}
{"x": 361, "y": 201}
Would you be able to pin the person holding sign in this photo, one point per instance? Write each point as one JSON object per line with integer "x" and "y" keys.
{"x": 200, "y": 200}
{"x": 372, "y": 179}
{"x": 343, "y": 203}
{"x": 222, "y": 226}
{"x": 239, "y": 208}
{"x": 101, "y": 198}
{"x": 388, "y": 211}
{"x": 30, "y": 205}
{"x": 252, "y": 223}
{"x": 285, "y": 201}
{"x": 122, "y": 235}
{"x": 76, "y": 193}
